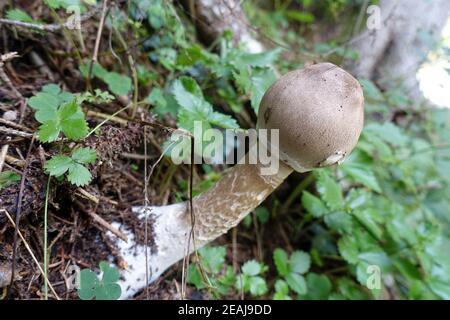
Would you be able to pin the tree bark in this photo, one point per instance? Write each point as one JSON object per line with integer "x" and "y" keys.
{"x": 391, "y": 55}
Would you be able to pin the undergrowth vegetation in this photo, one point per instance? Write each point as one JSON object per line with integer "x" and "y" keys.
{"x": 376, "y": 226}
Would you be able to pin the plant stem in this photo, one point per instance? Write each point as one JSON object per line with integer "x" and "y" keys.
{"x": 46, "y": 239}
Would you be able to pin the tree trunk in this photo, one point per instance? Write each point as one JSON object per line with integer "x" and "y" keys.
{"x": 392, "y": 54}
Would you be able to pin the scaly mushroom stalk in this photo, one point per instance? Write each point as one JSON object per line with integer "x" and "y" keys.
{"x": 319, "y": 113}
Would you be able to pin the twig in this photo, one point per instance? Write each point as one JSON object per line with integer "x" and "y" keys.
{"x": 102, "y": 222}
{"x": 3, "y": 153}
{"x": 31, "y": 253}
{"x": 133, "y": 71}
{"x": 102, "y": 115}
{"x": 14, "y": 161}
{"x": 97, "y": 39}
{"x": 15, "y": 132}
{"x": 15, "y": 125}
{"x": 49, "y": 27}
{"x": 19, "y": 208}
{"x": 106, "y": 225}
{"x": 4, "y": 76}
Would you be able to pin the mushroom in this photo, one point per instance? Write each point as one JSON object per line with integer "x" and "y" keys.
{"x": 319, "y": 111}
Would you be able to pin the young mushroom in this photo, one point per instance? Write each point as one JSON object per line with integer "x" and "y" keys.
{"x": 319, "y": 111}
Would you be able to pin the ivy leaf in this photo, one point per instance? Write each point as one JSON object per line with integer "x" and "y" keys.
{"x": 330, "y": 190}
{"x": 297, "y": 283}
{"x": 313, "y": 205}
{"x": 84, "y": 155}
{"x": 281, "y": 261}
{"x": 117, "y": 83}
{"x": 79, "y": 175}
{"x": 300, "y": 262}
{"x": 8, "y": 178}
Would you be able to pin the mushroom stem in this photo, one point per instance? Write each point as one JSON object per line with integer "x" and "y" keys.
{"x": 237, "y": 193}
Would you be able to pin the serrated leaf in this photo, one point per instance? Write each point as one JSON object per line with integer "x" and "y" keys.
{"x": 359, "y": 167}
{"x": 339, "y": 221}
{"x": 297, "y": 283}
{"x": 72, "y": 120}
{"x": 281, "y": 261}
{"x": 313, "y": 205}
{"x": 79, "y": 175}
{"x": 319, "y": 286}
{"x": 257, "y": 286}
{"x": 46, "y": 105}
{"x": 19, "y": 15}
{"x": 58, "y": 165}
{"x": 251, "y": 268}
{"x": 49, "y": 131}
{"x": 300, "y": 262}
{"x": 117, "y": 83}
{"x": 348, "y": 248}
{"x": 330, "y": 190}
{"x": 84, "y": 155}
{"x": 260, "y": 82}
{"x": 214, "y": 257}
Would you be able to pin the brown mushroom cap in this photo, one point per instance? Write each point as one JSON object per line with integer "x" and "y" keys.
{"x": 319, "y": 111}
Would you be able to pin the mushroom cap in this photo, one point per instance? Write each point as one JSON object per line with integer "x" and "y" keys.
{"x": 319, "y": 111}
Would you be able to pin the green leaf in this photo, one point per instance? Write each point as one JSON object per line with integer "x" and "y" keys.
{"x": 88, "y": 282}
{"x": 79, "y": 175}
{"x": 319, "y": 286}
{"x": 359, "y": 166}
{"x": 339, "y": 221}
{"x": 84, "y": 155}
{"x": 49, "y": 131}
{"x": 19, "y": 15}
{"x": 281, "y": 290}
{"x": 105, "y": 289}
{"x": 313, "y": 205}
{"x": 8, "y": 178}
{"x": 348, "y": 248}
{"x": 330, "y": 190}
{"x": 110, "y": 274}
{"x": 297, "y": 283}
{"x": 251, "y": 268}
{"x": 261, "y": 81}
{"x": 300, "y": 262}
{"x": 281, "y": 261}
{"x": 304, "y": 17}
{"x": 46, "y": 105}
{"x": 263, "y": 59}
{"x": 262, "y": 214}
{"x": 213, "y": 257}
{"x": 117, "y": 83}
{"x": 58, "y": 165}
{"x": 258, "y": 286}
{"x": 72, "y": 120}
{"x": 442, "y": 289}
